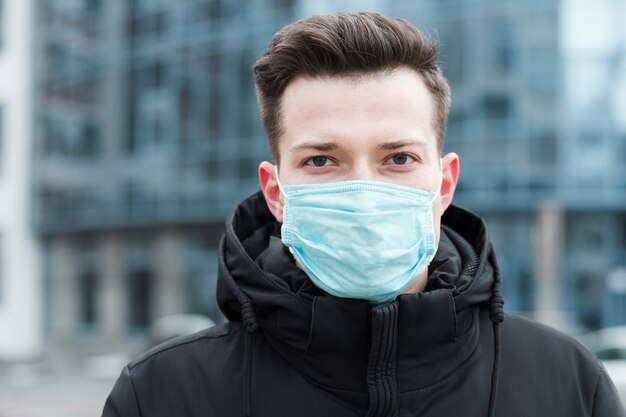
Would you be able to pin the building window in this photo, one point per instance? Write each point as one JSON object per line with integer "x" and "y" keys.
{"x": 543, "y": 148}
{"x": 214, "y": 119}
{"x": 139, "y": 282}
{"x": 184, "y": 109}
{"x": 214, "y": 10}
{"x": 158, "y": 74}
{"x": 496, "y": 106}
{"x": 132, "y": 91}
{"x": 247, "y": 105}
{"x": 503, "y": 47}
{"x": 201, "y": 277}
{"x": 623, "y": 233}
{"x": 88, "y": 282}
{"x": 160, "y": 23}
{"x": 247, "y": 167}
{"x": 453, "y": 55}
{"x": 89, "y": 144}
{"x": 87, "y": 285}
{"x": 284, "y": 3}
{"x": 93, "y": 6}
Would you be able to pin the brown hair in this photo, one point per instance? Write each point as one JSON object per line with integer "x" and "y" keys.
{"x": 351, "y": 45}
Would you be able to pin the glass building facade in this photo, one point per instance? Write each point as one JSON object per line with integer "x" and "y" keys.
{"x": 147, "y": 133}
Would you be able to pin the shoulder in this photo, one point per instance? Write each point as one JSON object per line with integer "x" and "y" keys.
{"x": 199, "y": 370}
{"x": 553, "y": 369}
{"x": 526, "y": 330}
{"x": 202, "y": 347}
{"x": 536, "y": 337}
{"x": 530, "y": 345}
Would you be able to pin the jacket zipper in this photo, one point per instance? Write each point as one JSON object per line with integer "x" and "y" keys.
{"x": 382, "y": 365}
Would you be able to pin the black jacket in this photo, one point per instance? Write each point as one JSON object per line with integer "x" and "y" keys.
{"x": 289, "y": 350}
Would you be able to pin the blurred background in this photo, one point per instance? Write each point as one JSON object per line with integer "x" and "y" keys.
{"x": 129, "y": 129}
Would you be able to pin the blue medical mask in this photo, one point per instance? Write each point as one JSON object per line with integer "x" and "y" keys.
{"x": 360, "y": 239}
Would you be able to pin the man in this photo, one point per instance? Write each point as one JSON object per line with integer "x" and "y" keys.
{"x": 352, "y": 285}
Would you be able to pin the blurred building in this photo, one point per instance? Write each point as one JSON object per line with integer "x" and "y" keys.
{"x": 20, "y": 290}
{"x": 147, "y": 134}
{"x": 538, "y": 119}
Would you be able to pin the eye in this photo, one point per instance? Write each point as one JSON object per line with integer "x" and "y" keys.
{"x": 400, "y": 159}
{"x": 318, "y": 161}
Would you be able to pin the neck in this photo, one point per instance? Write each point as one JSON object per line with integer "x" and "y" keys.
{"x": 418, "y": 284}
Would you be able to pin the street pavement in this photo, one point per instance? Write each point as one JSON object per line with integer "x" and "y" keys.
{"x": 61, "y": 398}
{"x": 45, "y": 390}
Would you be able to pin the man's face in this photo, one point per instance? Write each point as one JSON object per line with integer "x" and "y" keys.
{"x": 376, "y": 128}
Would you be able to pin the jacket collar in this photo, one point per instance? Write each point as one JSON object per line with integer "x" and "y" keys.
{"x": 329, "y": 339}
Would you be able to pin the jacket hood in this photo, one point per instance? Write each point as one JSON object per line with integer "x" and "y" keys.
{"x": 436, "y": 330}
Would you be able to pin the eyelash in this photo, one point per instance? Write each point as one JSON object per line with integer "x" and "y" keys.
{"x": 308, "y": 161}
{"x": 414, "y": 157}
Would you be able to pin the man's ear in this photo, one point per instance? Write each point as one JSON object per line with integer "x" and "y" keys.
{"x": 450, "y": 171}
{"x": 269, "y": 186}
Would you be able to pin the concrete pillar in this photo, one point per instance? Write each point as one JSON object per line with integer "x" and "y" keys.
{"x": 549, "y": 242}
{"x": 21, "y": 301}
{"x": 169, "y": 286}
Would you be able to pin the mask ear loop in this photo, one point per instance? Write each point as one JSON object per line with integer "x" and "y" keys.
{"x": 438, "y": 191}
{"x": 280, "y": 187}
{"x": 435, "y": 194}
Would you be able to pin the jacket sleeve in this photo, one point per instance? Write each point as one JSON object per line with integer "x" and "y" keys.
{"x": 606, "y": 401}
{"x": 122, "y": 402}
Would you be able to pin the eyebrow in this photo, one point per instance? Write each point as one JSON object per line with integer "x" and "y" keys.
{"x": 316, "y": 146}
{"x": 332, "y": 146}
{"x": 390, "y": 146}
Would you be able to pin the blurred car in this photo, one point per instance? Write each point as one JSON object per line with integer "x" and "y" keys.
{"x": 609, "y": 345}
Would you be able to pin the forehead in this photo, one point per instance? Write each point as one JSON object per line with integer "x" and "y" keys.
{"x": 384, "y": 106}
